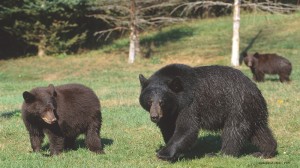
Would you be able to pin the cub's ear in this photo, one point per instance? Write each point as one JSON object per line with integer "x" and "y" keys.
{"x": 142, "y": 80}
{"x": 244, "y": 54}
{"x": 256, "y": 55}
{"x": 176, "y": 85}
{"x": 28, "y": 97}
{"x": 52, "y": 90}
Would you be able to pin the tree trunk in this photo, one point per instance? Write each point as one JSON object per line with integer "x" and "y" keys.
{"x": 137, "y": 41}
{"x": 133, "y": 34}
{"x": 235, "y": 38}
{"x": 42, "y": 46}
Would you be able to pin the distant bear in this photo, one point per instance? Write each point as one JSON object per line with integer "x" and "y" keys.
{"x": 181, "y": 100}
{"x": 62, "y": 112}
{"x": 261, "y": 64}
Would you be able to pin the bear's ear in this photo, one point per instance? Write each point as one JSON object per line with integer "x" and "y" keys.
{"x": 52, "y": 90}
{"x": 28, "y": 97}
{"x": 256, "y": 55}
{"x": 176, "y": 85}
{"x": 143, "y": 80}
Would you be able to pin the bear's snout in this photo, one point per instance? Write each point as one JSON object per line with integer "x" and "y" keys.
{"x": 49, "y": 117}
{"x": 154, "y": 117}
{"x": 249, "y": 64}
{"x": 155, "y": 112}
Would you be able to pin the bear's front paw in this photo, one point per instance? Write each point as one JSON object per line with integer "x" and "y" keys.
{"x": 166, "y": 154}
{"x": 99, "y": 152}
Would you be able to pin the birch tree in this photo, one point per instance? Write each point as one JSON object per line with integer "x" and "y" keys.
{"x": 133, "y": 33}
{"x": 236, "y": 37}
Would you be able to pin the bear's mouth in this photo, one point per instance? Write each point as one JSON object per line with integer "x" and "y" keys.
{"x": 49, "y": 121}
{"x": 155, "y": 119}
{"x": 49, "y": 117}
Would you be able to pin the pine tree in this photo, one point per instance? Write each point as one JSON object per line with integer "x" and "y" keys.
{"x": 45, "y": 24}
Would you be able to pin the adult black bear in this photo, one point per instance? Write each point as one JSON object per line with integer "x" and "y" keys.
{"x": 181, "y": 100}
{"x": 62, "y": 112}
{"x": 261, "y": 64}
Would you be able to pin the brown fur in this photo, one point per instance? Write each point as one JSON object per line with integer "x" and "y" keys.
{"x": 62, "y": 112}
{"x": 261, "y": 64}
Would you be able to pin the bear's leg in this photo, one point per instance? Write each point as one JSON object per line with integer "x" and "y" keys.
{"x": 184, "y": 137}
{"x": 92, "y": 140}
{"x": 167, "y": 129}
{"x": 36, "y": 140}
{"x": 234, "y": 135}
{"x": 259, "y": 76}
{"x": 70, "y": 143}
{"x": 56, "y": 144}
{"x": 264, "y": 140}
{"x": 284, "y": 77}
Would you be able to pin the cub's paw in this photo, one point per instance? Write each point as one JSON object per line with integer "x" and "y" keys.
{"x": 100, "y": 152}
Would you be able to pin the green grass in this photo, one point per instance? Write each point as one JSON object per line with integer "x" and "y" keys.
{"x": 129, "y": 137}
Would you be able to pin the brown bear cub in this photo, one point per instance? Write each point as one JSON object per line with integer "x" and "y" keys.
{"x": 261, "y": 64}
{"x": 62, "y": 112}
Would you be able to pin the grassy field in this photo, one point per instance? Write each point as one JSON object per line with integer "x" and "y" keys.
{"x": 130, "y": 139}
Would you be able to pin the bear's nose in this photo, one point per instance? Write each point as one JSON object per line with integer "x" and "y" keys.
{"x": 154, "y": 118}
{"x": 53, "y": 120}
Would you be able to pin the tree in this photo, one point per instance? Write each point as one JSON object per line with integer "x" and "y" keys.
{"x": 133, "y": 34}
{"x": 235, "y": 56}
{"x": 133, "y": 17}
{"x": 45, "y": 24}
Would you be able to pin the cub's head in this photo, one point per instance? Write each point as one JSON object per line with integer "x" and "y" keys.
{"x": 40, "y": 102}
{"x": 250, "y": 60}
{"x": 159, "y": 96}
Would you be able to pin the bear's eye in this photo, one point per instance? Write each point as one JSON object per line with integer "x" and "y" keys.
{"x": 149, "y": 102}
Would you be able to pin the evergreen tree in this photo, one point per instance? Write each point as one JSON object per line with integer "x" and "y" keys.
{"x": 49, "y": 25}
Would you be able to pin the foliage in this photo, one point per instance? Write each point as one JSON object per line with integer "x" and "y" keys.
{"x": 51, "y": 26}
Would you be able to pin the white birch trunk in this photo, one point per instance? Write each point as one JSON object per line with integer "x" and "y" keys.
{"x": 132, "y": 48}
{"x": 133, "y": 37}
{"x": 235, "y": 38}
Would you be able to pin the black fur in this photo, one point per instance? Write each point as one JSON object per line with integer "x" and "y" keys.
{"x": 182, "y": 100}
{"x": 62, "y": 112}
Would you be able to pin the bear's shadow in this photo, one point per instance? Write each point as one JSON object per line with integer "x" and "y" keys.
{"x": 210, "y": 146}
{"x": 270, "y": 78}
{"x": 10, "y": 114}
{"x": 79, "y": 144}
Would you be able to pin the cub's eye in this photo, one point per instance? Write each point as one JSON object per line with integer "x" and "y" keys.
{"x": 149, "y": 102}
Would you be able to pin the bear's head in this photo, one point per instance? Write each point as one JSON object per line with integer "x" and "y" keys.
{"x": 250, "y": 60}
{"x": 40, "y": 102}
{"x": 158, "y": 96}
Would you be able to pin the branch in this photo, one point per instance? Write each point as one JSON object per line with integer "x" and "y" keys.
{"x": 272, "y": 7}
{"x": 109, "y": 31}
{"x": 189, "y": 6}
{"x": 267, "y": 6}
